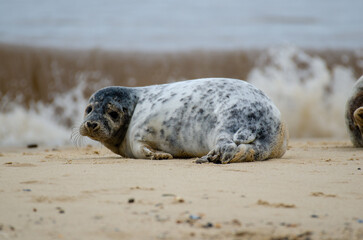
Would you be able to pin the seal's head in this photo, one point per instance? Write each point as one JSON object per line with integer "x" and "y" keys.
{"x": 354, "y": 114}
{"x": 107, "y": 115}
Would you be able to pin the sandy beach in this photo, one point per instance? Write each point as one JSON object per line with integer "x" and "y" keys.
{"x": 313, "y": 192}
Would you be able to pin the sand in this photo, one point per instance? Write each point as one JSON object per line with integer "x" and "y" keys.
{"x": 314, "y": 192}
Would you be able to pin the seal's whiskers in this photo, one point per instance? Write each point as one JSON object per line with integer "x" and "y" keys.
{"x": 76, "y": 138}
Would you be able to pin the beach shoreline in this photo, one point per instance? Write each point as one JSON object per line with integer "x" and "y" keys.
{"x": 313, "y": 192}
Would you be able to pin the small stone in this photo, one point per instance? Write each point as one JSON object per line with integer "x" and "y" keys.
{"x": 32, "y": 145}
{"x": 160, "y": 218}
{"x": 131, "y": 200}
{"x": 179, "y": 200}
{"x": 60, "y": 210}
{"x": 359, "y": 168}
{"x": 27, "y": 190}
{"x": 159, "y": 205}
{"x": 314, "y": 216}
{"x": 194, "y": 217}
{"x": 243, "y": 234}
{"x": 360, "y": 220}
{"x": 35, "y": 210}
{"x": 168, "y": 195}
{"x": 236, "y": 222}
{"x": 208, "y": 225}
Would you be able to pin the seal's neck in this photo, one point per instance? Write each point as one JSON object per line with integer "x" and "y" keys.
{"x": 127, "y": 99}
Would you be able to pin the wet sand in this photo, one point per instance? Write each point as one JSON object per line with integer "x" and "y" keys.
{"x": 313, "y": 192}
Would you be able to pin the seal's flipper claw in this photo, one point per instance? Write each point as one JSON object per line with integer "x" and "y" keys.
{"x": 158, "y": 155}
{"x": 152, "y": 154}
{"x": 201, "y": 160}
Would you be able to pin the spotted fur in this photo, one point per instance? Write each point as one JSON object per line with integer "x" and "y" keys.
{"x": 218, "y": 120}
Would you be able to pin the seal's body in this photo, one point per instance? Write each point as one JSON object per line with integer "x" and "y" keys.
{"x": 354, "y": 114}
{"x": 218, "y": 120}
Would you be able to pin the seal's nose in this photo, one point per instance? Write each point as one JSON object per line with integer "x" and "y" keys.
{"x": 93, "y": 126}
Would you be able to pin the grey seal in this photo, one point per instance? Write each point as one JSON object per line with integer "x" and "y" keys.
{"x": 215, "y": 119}
{"x": 354, "y": 114}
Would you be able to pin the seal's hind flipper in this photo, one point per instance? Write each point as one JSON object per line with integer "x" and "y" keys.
{"x": 244, "y": 136}
{"x": 228, "y": 152}
{"x": 203, "y": 159}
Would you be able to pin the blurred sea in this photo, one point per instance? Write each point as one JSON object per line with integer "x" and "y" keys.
{"x": 306, "y": 55}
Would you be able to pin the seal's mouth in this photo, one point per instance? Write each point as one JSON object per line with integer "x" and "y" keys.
{"x": 92, "y": 130}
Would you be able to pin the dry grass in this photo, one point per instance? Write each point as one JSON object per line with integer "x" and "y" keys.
{"x": 36, "y": 73}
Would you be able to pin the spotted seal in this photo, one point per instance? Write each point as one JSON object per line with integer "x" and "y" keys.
{"x": 354, "y": 114}
{"x": 215, "y": 119}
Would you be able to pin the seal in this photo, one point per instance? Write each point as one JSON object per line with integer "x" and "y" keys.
{"x": 354, "y": 114}
{"x": 215, "y": 119}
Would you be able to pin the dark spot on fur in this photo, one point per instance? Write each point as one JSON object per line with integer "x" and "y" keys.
{"x": 150, "y": 130}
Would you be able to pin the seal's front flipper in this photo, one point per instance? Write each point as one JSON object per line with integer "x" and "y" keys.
{"x": 158, "y": 155}
{"x": 148, "y": 152}
{"x": 358, "y": 118}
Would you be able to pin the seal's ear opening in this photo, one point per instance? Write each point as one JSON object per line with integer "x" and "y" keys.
{"x": 122, "y": 110}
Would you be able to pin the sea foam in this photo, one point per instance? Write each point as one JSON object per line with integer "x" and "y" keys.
{"x": 43, "y": 124}
{"x": 310, "y": 96}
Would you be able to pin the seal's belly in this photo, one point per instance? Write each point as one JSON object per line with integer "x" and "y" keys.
{"x": 178, "y": 132}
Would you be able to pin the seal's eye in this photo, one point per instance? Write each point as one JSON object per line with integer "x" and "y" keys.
{"x": 113, "y": 115}
{"x": 88, "y": 109}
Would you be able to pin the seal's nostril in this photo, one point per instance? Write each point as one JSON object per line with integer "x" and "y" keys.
{"x": 92, "y": 125}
